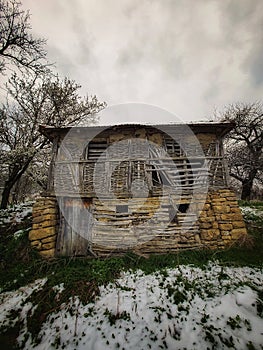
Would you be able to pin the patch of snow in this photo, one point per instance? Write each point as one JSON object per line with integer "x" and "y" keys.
{"x": 59, "y": 288}
{"x": 18, "y": 234}
{"x": 251, "y": 213}
{"x": 181, "y": 308}
{"x": 16, "y": 214}
{"x": 10, "y": 301}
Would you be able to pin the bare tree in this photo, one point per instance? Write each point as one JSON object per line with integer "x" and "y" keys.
{"x": 17, "y": 45}
{"x": 244, "y": 144}
{"x": 49, "y": 101}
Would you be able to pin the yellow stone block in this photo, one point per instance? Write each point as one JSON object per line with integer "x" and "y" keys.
{"x": 48, "y": 245}
{"x": 36, "y": 244}
{"x": 210, "y": 234}
{"x": 45, "y": 211}
{"x": 232, "y": 217}
{"x": 50, "y": 253}
{"x": 238, "y": 224}
{"x": 217, "y": 201}
{"x": 206, "y": 206}
{"x": 226, "y": 234}
{"x": 235, "y": 209}
{"x": 215, "y": 224}
{"x": 42, "y": 218}
{"x": 205, "y": 225}
{"x": 46, "y": 223}
{"x": 156, "y": 138}
{"x": 140, "y": 133}
{"x": 207, "y": 219}
{"x": 49, "y": 239}
{"x": 221, "y": 209}
{"x": 232, "y": 203}
{"x": 116, "y": 137}
{"x": 225, "y": 227}
{"x": 210, "y": 213}
{"x": 41, "y": 233}
{"x": 224, "y": 193}
{"x": 238, "y": 232}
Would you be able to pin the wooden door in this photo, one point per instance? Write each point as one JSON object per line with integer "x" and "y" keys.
{"x": 75, "y": 227}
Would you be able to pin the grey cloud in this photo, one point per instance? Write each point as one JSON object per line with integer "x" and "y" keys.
{"x": 187, "y": 56}
{"x": 63, "y": 63}
{"x": 79, "y": 26}
{"x": 131, "y": 8}
{"x": 215, "y": 86}
{"x": 57, "y": 7}
{"x": 152, "y": 43}
{"x": 254, "y": 66}
{"x": 240, "y": 20}
{"x": 240, "y": 11}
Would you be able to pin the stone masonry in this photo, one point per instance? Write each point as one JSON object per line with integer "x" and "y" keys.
{"x": 45, "y": 223}
{"x": 220, "y": 223}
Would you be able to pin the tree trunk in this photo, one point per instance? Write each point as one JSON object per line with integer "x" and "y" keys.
{"x": 6, "y": 194}
{"x": 247, "y": 185}
{"x": 246, "y": 190}
{"x": 9, "y": 183}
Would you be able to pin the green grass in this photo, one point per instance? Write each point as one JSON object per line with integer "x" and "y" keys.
{"x": 20, "y": 265}
{"x": 82, "y": 277}
{"x": 251, "y": 204}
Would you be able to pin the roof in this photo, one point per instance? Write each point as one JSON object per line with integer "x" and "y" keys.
{"x": 220, "y": 129}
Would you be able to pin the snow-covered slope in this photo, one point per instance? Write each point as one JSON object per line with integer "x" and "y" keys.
{"x": 182, "y": 308}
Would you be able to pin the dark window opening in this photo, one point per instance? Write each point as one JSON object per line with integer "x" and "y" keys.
{"x": 186, "y": 174}
{"x": 172, "y": 147}
{"x": 156, "y": 177}
{"x": 190, "y": 173}
{"x": 164, "y": 179}
{"x": 183, "y": 208}
{"x": 122, "y": 209}
{"x": 159, "y": 177}
{"x": 95, "y": 149}
{"x": 172, "y": 214}
{"x": 182, "y": 175}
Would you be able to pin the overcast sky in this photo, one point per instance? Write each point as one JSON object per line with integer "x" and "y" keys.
{"x": 186, "y": 56}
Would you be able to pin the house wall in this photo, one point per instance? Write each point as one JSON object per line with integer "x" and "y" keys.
{"x": 219, "y": 224}
{"x": 43, "y": 235}
{"x": 67, "y": 173}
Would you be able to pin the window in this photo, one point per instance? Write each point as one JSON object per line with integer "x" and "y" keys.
{"x": 156, "y": 179}
{"x": 173, "y": 215}
{"x": 122, "y": 209}
{"x": 159, "y": 177}
{"x": 172, "y": 147}
{"x": 172, "y": 212}
{"x": 183, "y": 208}
{"x": 95, "y": 149}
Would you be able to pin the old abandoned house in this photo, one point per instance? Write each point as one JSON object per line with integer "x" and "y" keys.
{"x": 151, "y": 189}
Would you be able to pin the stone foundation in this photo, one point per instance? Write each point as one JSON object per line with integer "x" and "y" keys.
{"x": 45, "y": 223}
{"x": 220, "y": 224}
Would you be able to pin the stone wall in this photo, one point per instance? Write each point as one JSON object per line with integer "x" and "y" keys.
{"x": 45, "y": 223}
{"x": 220, "y": 224}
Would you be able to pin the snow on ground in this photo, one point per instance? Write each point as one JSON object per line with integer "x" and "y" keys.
{"x": 16, "y": 213}
{"x": 251, "y": 214}
{"x": 182, "y": 308}
{"x": 16, "y": 300}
